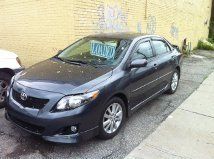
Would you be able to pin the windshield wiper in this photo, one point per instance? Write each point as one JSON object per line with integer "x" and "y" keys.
{"x": 83, "y": 62}
{"x": 68, "y": 61}
{"x": 78, "y": 62}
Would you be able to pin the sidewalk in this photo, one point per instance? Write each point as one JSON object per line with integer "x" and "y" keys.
{"x": 187, "y": 133}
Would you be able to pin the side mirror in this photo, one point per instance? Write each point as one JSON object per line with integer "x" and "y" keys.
{"x": 176, "y": 47}
{"x": 138, "y": 63}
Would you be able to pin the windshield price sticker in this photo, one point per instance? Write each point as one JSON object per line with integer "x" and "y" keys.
{"x": 103, "y": 50}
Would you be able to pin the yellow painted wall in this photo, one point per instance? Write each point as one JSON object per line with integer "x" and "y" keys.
{"x": 37, "y": 29}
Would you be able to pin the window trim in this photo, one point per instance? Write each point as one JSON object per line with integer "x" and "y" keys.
{"x": 160, "y": 39}
{"x": 137, "y": 45}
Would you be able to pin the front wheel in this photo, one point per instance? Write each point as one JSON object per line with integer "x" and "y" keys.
{"x": 174, "y": 82}
{"x": 112, "y": 118}
{"x": 4, "y": 83}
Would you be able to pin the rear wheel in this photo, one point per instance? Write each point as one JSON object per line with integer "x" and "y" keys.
{"x": 4, "y": 83}
{"x": 174, "y": 82}
{"x": 112, "y": 118}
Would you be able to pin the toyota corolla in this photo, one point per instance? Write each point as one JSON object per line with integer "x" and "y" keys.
{"x": 91, "y": 87}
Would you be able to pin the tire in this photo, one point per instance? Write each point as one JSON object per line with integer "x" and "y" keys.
{"x": 103, "y": 131}
{"x": 174, "y": 82}
{"x": 4, "y": 83}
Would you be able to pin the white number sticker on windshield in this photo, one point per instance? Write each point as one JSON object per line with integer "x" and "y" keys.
{"x": 105, "y": 50}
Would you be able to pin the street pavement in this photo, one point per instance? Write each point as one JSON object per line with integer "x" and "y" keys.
{"x": 187, "y": 133}
{"x": 15, "y": 143}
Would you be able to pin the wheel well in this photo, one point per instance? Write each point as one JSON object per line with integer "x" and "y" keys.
{"x": 7, "y": 70}
{"x": 125, "y": 100}
{"x": 179, "y": 70}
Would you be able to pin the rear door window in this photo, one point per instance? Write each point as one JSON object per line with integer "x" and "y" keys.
{"x": 160, "y": 47}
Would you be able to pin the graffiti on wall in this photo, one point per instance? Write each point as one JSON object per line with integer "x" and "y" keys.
{"x": 174, "y": 31}
{"x": 111, "y": 18}
{"x": 151, "y": 24}
{"x": 101, "y": 20}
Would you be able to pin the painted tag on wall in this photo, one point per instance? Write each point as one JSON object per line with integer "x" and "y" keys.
{"x": 105, "y": 50}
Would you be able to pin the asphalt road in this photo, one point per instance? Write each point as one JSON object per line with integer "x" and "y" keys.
{"x": 16, "y": 143}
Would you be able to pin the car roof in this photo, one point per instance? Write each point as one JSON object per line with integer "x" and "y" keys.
{"x": 121, "y": 35}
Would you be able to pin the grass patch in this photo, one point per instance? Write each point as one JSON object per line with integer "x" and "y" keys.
{"x": 206, "y": 44}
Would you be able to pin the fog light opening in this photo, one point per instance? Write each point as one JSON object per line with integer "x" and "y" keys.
{"x": 74, "y": 129}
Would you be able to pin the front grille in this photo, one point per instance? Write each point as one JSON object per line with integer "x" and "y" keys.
{"x": 30, "y": 127}
{"x": 31, "y": 102}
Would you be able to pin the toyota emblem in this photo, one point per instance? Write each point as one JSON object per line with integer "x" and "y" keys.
{"x": 23, "y": 96}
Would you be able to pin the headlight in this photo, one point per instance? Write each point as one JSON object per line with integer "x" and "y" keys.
{"x": 74, "y": 101}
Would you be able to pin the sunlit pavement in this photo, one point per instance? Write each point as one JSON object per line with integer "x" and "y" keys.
{"x": 16, "y": 143}
{"x": 187, "y": 133}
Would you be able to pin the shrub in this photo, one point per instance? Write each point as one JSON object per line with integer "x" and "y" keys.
{"x": 211, "y": 33}
{"x": 205, "y": 45}
{"x": 211, "y": 40}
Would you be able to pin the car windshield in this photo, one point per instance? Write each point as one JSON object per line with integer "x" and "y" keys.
{"x": 96, "y": 51}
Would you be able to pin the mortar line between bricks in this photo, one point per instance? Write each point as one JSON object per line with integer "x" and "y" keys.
{"x": 196, "y": 113}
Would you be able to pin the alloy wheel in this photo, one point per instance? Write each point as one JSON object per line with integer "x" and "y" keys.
{"x": 3, "y": 90}
{"x": 113, "y": 117}
{"x": 175, "y": 79}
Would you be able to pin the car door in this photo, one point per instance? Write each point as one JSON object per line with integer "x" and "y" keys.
{"x": 164, "y": 61}
{"x": 143, "y": 79}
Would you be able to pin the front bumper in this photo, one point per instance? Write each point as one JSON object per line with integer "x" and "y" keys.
{"x": 51, "y": 126}
{"x": 58, "y": 138}
{"x": 40, "y": 120}
{"x": 74, "y": 138}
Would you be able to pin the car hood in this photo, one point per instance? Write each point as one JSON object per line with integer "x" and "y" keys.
{"x": 57, "y": 76}
{"x": 4, "y": 54}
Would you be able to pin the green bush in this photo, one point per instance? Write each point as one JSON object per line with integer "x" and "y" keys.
{"x": 206, "y": 44}
{"x": 211, "y": 40}
{"x": 211, "y": 33}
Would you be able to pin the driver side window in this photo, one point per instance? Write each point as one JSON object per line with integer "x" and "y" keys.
{"x": 143, "y": 51}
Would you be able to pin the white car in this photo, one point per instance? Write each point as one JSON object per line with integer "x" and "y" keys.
{"x": 10, "y": 64}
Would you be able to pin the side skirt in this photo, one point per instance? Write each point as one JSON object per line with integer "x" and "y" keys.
{"x": 136, "y": 107}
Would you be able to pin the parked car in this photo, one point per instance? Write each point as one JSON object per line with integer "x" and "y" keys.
{"x": 89, "y": 88}
{"x": 10, "y": 64}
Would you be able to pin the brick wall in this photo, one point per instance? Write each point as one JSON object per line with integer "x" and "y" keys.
{"x": 37, "y": 29}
